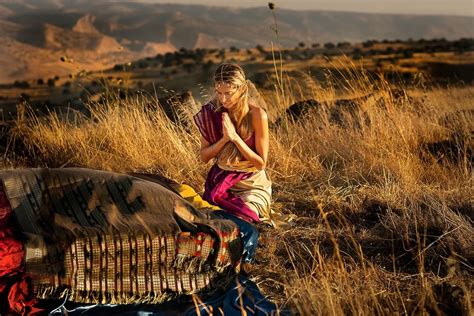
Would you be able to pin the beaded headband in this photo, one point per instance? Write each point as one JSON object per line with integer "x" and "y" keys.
{"x": 224, "y": 76}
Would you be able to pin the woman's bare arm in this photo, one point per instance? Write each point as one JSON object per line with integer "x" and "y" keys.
{"x": 260, "y": 124}
{"x": 208, "y": 150}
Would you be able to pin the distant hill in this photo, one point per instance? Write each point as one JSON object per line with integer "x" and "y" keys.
{"x": 97, "y": 34}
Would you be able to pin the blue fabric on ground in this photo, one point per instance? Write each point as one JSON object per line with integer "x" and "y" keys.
{"x": 248, "y": 233}
{"x": 242, "y": 298}
{"x": 242, "y": 295}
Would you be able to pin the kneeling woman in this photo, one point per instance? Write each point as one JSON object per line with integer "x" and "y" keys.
{"x": 234, "y": 131}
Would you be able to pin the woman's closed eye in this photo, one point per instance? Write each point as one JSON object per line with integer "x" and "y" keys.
{"x": 227, "y": 94}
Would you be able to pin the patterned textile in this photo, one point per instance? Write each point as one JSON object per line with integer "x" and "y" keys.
{"x": 101, "y": 237}
{"x": 219, "y": 181}
{"x": 248, "y": 234}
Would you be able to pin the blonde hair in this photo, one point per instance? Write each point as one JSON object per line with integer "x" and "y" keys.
{"x": 232, "y": 74}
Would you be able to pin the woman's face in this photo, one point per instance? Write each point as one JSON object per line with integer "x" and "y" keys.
{"x": 227, "y": 94}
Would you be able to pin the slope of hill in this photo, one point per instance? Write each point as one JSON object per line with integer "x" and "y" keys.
{"x": 105, "y": 30}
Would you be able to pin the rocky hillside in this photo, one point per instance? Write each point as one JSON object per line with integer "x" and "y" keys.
{"x": 35, "y": 34}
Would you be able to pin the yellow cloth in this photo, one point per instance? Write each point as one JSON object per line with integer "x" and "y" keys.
{"x": 190, "y": 195}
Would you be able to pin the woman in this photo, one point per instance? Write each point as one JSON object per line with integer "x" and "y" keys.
{"x": 234, "y": 132}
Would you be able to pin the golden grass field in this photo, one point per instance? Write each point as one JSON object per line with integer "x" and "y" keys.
{"x": 384, "y": 218}
{"x": 446, "y": 62}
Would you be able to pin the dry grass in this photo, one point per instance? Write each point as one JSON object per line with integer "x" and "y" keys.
{"x": 384, "y": 227}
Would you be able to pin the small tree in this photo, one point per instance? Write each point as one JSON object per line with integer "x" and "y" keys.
{"x": 24, "y": 97}
{"x": 368, "y": 43}
{"x": 343, "y": 44}
{"x": 389, "y": 50}
{"x": 260, "y": 49}
{"x": 21, "y": 84}
{"x": 329, "y": 45}
{"x": 407, "y": 53}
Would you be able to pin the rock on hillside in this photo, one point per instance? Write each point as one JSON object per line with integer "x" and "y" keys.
{"x": 63, "y": 39}
{"x": 86, "y": 25}
{"x": 153, "y": 48}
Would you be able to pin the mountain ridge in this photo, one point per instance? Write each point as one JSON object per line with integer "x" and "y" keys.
{"x": 110, "y": 32}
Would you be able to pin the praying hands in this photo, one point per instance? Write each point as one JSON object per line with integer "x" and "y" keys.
{"x": 228, "y": 128}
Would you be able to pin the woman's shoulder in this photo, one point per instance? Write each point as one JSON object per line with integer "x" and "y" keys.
{"x": 257, "y": 113}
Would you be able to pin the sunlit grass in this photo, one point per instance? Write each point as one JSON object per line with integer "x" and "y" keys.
{"x": 383, "y": 226}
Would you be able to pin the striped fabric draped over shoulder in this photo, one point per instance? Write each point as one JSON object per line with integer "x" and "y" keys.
{"x": 209, "y": 122}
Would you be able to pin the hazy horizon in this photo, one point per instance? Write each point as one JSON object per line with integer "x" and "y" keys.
{"x": 419, "y": 7}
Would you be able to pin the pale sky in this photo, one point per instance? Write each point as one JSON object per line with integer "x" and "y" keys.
{"x": 444, "y": 7}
